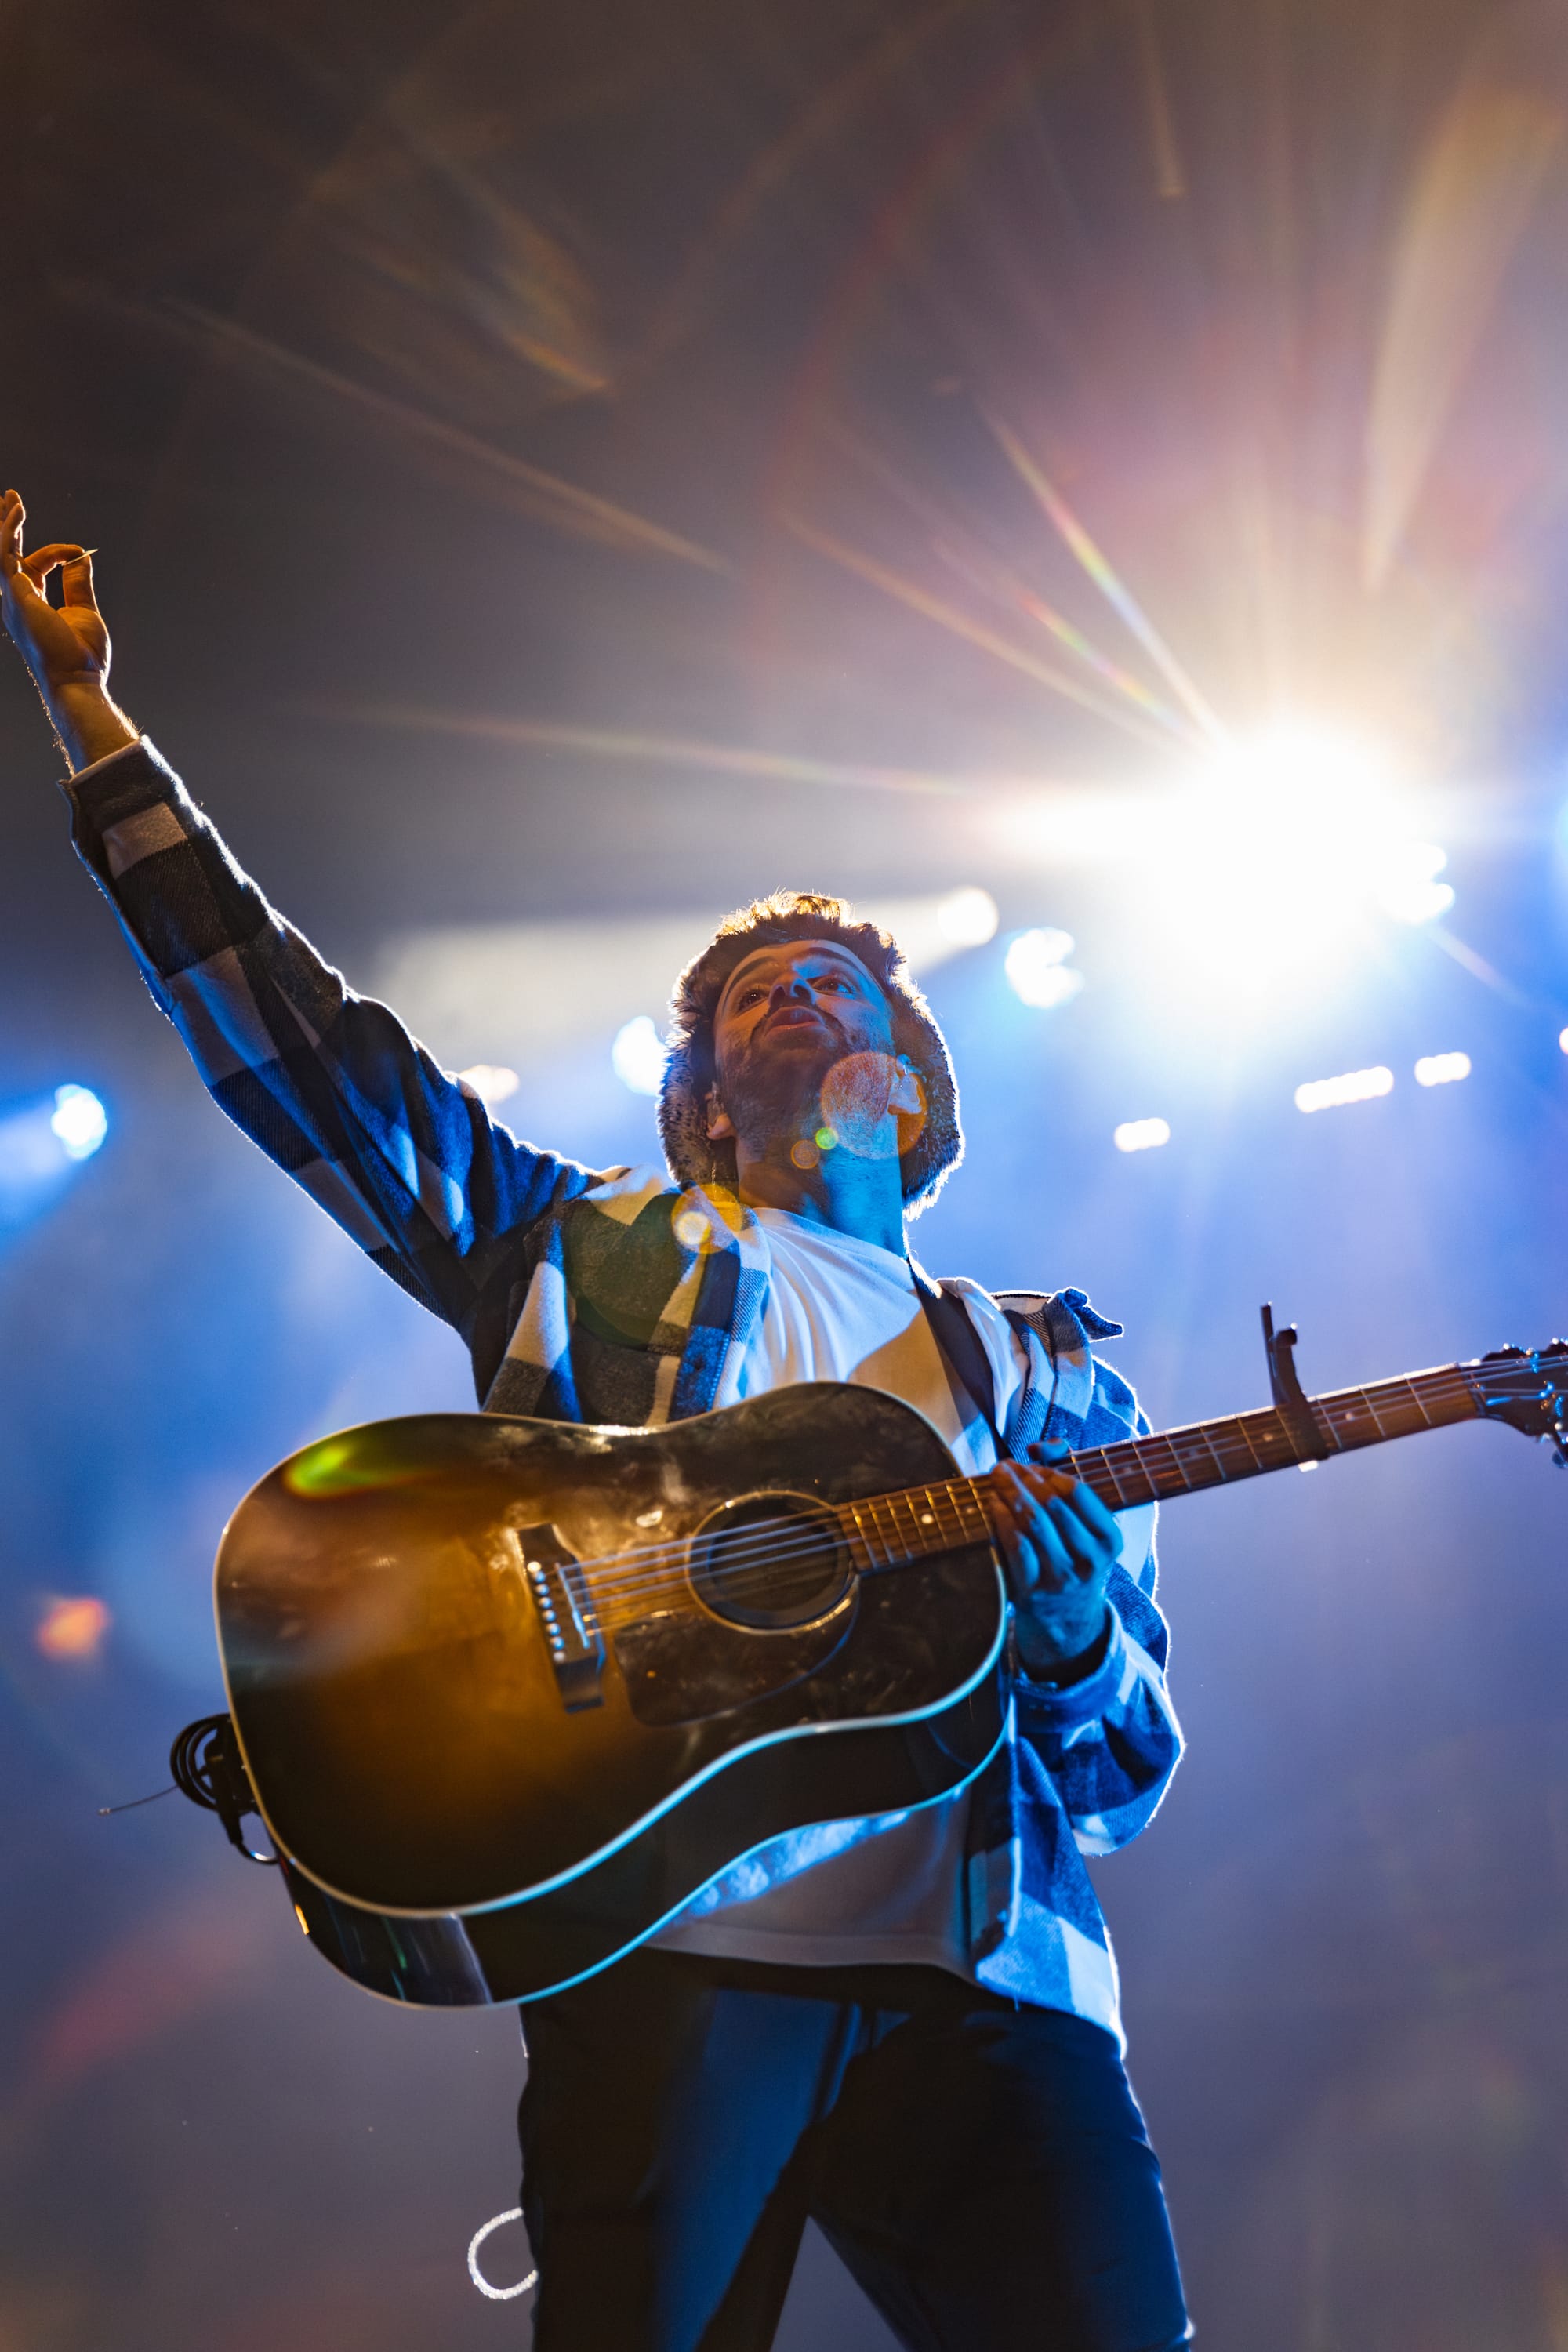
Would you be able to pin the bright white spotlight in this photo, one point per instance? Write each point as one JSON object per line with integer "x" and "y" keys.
{"x": 1563, "y": 1039}
{"x": 637, "y": 1055}
{"x": 1277, "y": 863}
{"x": 968, "y": 917}
{"x": 1410, "y": 890}
{"x": 1140, "y": 1134}
{"x": 80, "y": 1121}
{"x": 1441, "y": 1069}
{"x": 491, "y": 1082}
{"x": 1036, "y": 968}
{"x": 1352, "y": 1086}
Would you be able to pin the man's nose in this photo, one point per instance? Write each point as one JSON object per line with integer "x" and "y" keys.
{"x": 790, "y": 985}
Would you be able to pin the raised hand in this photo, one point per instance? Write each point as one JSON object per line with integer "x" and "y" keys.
{"x": 1058, "y": 1545}
{"x": 66, "y": 647}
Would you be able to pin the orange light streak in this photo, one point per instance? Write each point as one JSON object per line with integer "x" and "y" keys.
{"x": 664, "y": 750}
{"x": 981, "y": 570}
{"x": 1110, "y": 586}
{"x": 893, "y": 584}
{"x": 572, "y": 507}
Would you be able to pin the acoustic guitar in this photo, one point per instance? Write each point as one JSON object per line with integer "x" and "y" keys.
{"x": 507, "y": 1693}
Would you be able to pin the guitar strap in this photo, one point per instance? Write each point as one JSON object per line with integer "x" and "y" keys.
{"x": 959, "y": 1345}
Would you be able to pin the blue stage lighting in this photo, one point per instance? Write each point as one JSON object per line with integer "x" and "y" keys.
{"x": 80, "y": 1121}
{"x": 40, "y": 1144}
{"x": 1037, "y": 971}
{"x": 637, "y": 1055}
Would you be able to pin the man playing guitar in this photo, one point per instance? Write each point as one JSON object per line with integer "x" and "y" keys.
{"x": 905, "y": 2027}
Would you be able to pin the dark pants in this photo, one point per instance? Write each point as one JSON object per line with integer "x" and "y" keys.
{"x": 982, "y": 2169}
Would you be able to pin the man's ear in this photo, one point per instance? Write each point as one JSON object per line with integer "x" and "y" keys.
{"x": 721, "y": 1126}
{"x": 906, "y": 1094}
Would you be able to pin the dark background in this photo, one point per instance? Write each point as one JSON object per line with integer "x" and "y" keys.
{"x": 414, "y": 368}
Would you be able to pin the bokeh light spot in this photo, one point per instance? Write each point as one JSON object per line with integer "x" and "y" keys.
{"x": 1037, "y": 971}
{"x": 1441, "y": 1069}
{"x": 1351, "y": 1086}
{"x": 1140, "y": 1134}
{"x": 492, "y": 1082}
{"x": 968, "y": 917}
{"x": 637, "y": 1055}
{"x": 79, "y": 1120}
{"x": 73, "y": 1629}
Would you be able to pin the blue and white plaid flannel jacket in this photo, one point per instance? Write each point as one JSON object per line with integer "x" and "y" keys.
{"x": 618, "y": 1298}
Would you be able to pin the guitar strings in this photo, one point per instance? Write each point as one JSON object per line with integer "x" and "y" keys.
{"x": 618, "y": 1574}
{"x": 644, "y": 1570}
{"x": 761, "y": 1551}
{"x": 1445, "y": 1384}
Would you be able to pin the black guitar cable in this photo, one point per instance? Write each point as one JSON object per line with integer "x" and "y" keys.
{"x": 209, "y": 1769}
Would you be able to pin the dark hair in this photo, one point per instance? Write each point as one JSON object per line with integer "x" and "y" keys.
{"x": 935, "y": 1148}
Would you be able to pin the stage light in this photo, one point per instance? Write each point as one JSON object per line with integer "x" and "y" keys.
{"x": 491, "y": 1083}
{"x": 1140, "y": 1134}
{"x": 1352, "y": 1086}
{"x": 79, "y": 1120}
{"x": 41, "y": 1144}
{"x": 1036, "y": 968}
{"x": 1410, "y": 890}
{"x": 72, "y": 1629}
{"x": 968, "y": 917}
{"x": 1441, "y": 1069}
{"x": 1273, "y": 868}
{"x": 637, "y": 1055}
{"x": 1563, "y": 1039}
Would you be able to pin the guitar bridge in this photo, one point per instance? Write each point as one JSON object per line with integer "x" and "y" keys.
{"x": 572, "y": 1631}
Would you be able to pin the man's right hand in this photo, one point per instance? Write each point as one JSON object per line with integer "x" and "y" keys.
{"x": 65, "y": 646}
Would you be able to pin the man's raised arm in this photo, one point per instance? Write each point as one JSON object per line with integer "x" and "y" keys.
{"x": 328, "y": 1083}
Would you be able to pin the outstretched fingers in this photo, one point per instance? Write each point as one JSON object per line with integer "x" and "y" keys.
{"x": 64, "y": 556}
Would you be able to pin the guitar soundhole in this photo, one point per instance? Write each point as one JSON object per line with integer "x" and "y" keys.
{"x": 771, "y": 1561}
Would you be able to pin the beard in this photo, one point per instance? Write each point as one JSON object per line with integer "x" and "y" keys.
{"x": 771, "y": 1096}
{"x": 775, "y": 1099}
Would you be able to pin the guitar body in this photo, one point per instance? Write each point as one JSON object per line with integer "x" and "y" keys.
{"x": 509, "y": 1692}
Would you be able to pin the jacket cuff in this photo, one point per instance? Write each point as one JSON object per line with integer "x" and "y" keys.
{"x": 112, "y": 802}
{"x": 68, "y": 783}
{"x": 1065, "y": 1706}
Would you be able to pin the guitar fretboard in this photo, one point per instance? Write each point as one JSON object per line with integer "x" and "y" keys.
{"x": 887, "y": 1530}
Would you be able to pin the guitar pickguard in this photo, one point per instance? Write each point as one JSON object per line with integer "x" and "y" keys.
{"x": 682, "y": 1667}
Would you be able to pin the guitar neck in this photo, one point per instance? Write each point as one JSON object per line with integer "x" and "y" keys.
{"x": 887, "y": 1530}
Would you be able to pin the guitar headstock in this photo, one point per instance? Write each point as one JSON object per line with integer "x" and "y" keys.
{"x": 1528, "y": 1388}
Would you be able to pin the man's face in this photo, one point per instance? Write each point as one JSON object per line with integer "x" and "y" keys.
{"x": 787, "y": 1015}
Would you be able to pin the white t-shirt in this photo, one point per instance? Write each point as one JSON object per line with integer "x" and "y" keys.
{"x": 887, "y": 1888}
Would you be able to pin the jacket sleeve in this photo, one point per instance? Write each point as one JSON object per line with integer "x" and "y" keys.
{"x": 1111, "y": 1742}
{"x": 330, "y": 1084}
